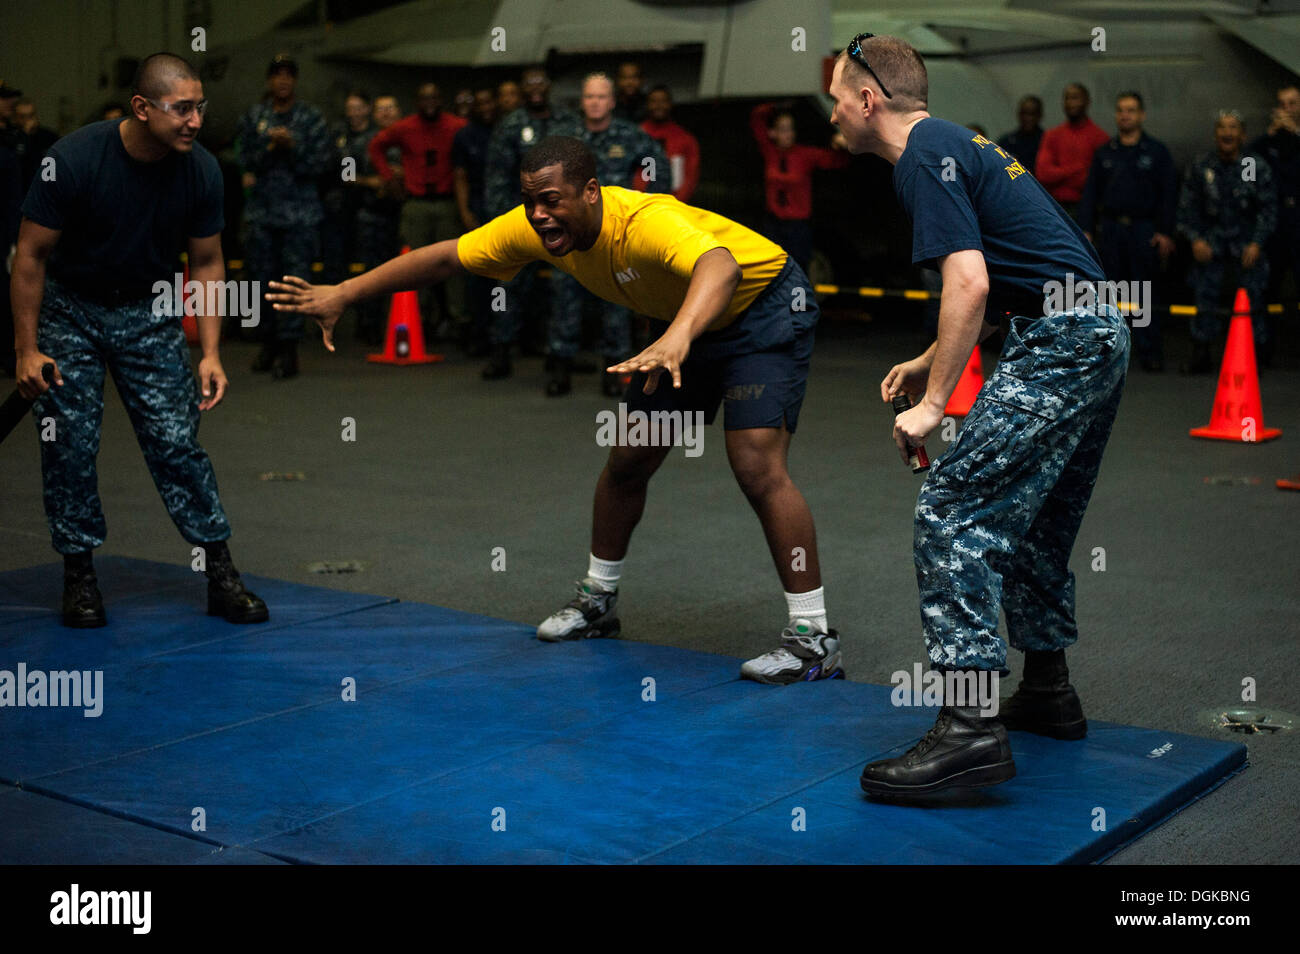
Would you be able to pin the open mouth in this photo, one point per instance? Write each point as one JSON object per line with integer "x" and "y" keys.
{"x": 552, "y": 238}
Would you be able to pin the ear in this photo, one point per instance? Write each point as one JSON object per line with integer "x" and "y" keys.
{"x": 591, "y": 191}
{"x": 137, "y": 105}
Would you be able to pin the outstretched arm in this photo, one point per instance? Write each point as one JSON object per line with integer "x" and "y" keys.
{"x": 427, "y": 265}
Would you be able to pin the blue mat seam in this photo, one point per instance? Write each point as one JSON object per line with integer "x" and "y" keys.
{"x": 745, "y": 814}
{"x": 243, "y": 630}
{"x": 124, "y": 816}
{"x": 521, "y": 748}
{"x": 234, "y": 725}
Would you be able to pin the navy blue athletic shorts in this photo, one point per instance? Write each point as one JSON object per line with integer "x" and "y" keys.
{"x": 758, "y": 364}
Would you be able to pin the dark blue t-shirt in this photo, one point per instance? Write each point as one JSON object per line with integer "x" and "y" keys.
{"x": 963, "y": 191}
{"x": 123, "y": 222}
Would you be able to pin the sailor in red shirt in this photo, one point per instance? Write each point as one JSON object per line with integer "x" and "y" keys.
{"x": 787, "y": 174}
{"x": 681, "y": 148}
{"x": 429, "y": 212}
{"x": 1065, "y": 154}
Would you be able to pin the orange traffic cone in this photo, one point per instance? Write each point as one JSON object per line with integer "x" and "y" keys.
{"x": 188, "y": 321}
{"x": 1238, "y": 414}
{"x": 968, "y": 386}
{"x": 405, "y": 341}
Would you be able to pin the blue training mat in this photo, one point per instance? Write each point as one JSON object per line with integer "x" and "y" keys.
{"x": 469, "y": 741}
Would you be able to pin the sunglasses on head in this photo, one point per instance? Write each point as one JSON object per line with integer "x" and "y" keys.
{"x": 854, "y": 49}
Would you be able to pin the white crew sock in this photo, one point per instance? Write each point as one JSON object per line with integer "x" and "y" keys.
{"x": 605, "y": 572}
{"x": 810, "y": 606}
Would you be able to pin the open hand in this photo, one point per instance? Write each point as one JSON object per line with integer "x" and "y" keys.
{"x": 324, "y": 303}
{"x": 666, "y": 354}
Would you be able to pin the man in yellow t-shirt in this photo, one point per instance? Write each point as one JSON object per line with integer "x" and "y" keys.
{"x": 735, "y": 318}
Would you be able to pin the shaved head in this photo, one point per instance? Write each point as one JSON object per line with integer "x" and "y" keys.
{"x": 156, "y": 75}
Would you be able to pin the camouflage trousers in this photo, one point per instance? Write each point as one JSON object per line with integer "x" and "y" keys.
{"x": 999, "y": 511}
{"x": 150, "y": 362}
{"x": 565, "y": 333}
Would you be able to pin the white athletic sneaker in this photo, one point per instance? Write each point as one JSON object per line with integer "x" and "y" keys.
{"x": 590, "y": 614}
{"x": 805, "y": 655}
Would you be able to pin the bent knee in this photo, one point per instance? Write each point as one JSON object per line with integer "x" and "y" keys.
{"x": 760, "y": 478}
{"x": 633, "y": 465}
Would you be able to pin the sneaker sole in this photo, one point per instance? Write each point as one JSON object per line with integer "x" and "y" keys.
{"x": 980, "y": 777}
{"x": 606, "y": 630}
{"x": 812, "y": 675}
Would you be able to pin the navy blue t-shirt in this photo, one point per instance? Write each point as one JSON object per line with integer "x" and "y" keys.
{"x": 123, "y": 222}
{"x": 963, "y": 191}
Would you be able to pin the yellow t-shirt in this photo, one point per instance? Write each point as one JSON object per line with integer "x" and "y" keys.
{"x": 643, "y": 258}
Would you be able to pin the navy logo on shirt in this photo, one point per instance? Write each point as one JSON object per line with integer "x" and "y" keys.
{"x": 1012, "y": 170}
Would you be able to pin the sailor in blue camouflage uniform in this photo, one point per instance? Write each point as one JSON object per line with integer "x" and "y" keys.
{"x": 1128, "y": 209}
{"x": 1228, "y": 211}
{"x": 285, "y": 144}
{"x": 341, "y": 197}
{"x": 999, "y": 511}
{"x": 625, "y": 156}
{"x": 93, "y": 289}
{"x": 518, "y": 132}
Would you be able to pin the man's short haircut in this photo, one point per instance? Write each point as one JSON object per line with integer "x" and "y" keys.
{"x": 661, "y": 88}
{"x": 359, "y": 94}
{"x": 1230, "y": 114}
{"x": 572, "y": 155}
{"x": 600, "y": 75}
{"x": 1131, "y": 94}
{"x": 1286, "y": 86}
{"x": 899, "y": 66}
{"x": 1031, "y": 98}
{"x": 157, "y": 72}
{"x": 1081, "y": 88}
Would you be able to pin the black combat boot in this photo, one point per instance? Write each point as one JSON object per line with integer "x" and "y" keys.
{"x": 1045, "y": 703}
{"x": 498, "y": 365}
{"x": 964, "y": 749}
{"x": 558, "y": 382}
{"x": 286, "y": 360}
{"x": 226, "y": 594}
{"x": 83, "y": 607}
